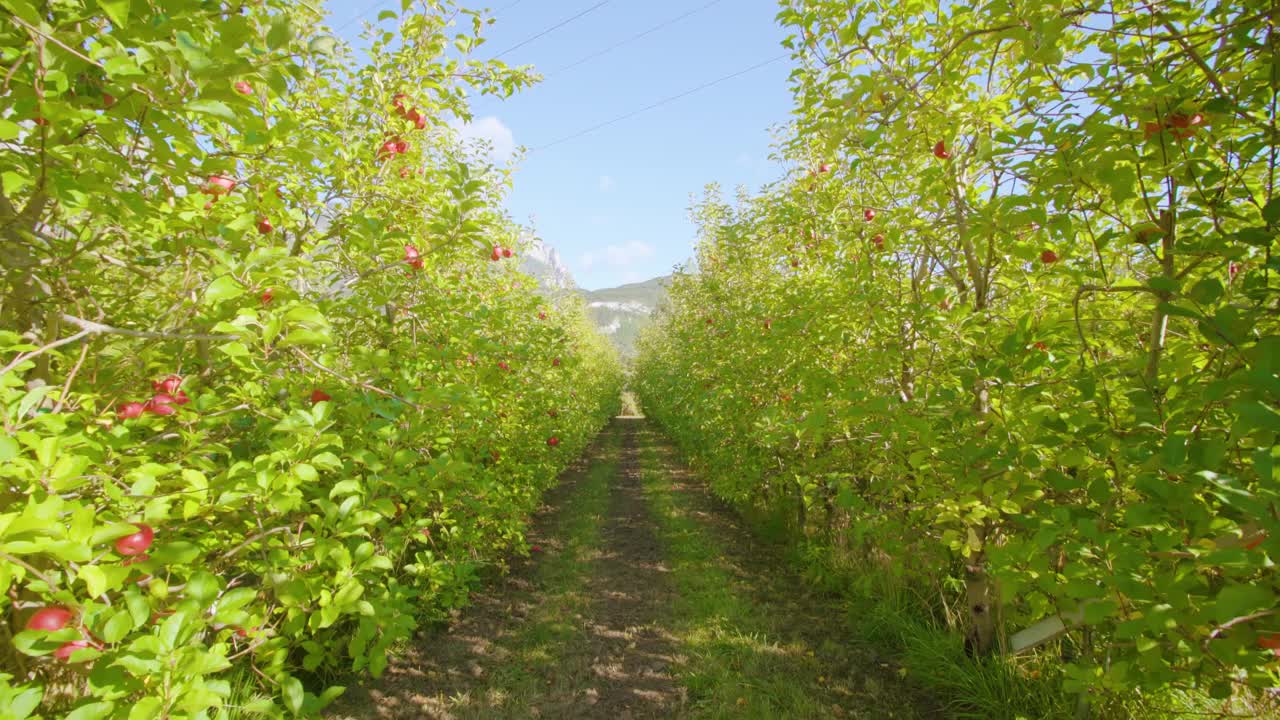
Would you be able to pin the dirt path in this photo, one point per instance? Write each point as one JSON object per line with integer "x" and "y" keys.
{"x": 647, "y": 600}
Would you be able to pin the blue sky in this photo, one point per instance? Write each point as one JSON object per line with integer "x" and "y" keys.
{"x": 614, "y": 202}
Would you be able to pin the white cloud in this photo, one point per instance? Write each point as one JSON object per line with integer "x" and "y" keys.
{"x": 606, "y": 183}
{"x": 617, "y": 255}
{"x": 489, "y": 128}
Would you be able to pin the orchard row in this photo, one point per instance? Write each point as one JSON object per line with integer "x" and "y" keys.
{"x": 257, "y": 431}
{"x": 1008, "y": 338}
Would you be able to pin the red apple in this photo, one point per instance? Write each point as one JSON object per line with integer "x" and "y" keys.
{"x": 1041, "y": 347}
{"x": 1270, "y": 641}
{"x": 940, "y": 150}
{"x": 542, "y": 316}
{"x": 319, "y": 396}
{"x": 218, "y": 185}
{"x": 66, "y": 650}
{"x": 404, "y": 172}
{"x": 555, "y": 362}
{"x": 503, "y": 364}
{"x": 869, "y": 214}
{"x": 264, "y": 226}
{"x": 129, "y": 411}
{"x": 553, "y": 441}
{"x": 1184, "y": 126}
{"x": 878, "y": 241}
{"x": 267, "y": 296}
{"x": 412, "y": 257}
{"x": 398, "y": 103}
{"x": 1048, "y": 257}
{"x": 161, "y": 404}
{"x": 824, "y": 168}
{"x": 496, "y": 255}
{"x": 1233, "y": 269}
{"x": 244, "y": 88}
{"x": 49, "y": 619}
{"x": 108, "y": 100}
{"x": 506, "y": 252}
{"x": 170, "y": 384}
{"x": 137, "y": 543}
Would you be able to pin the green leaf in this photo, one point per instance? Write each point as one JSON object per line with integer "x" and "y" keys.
{"x": 94, "y": 579}
{"x": 117, "y": 11}
{"x": 305, "y": 337}
{"x": 9, "y": 130}
{"x": 192, "y": 52}
{"x": 223, "y": 288}
{"x": 236, "y": 599}
{"x": 216, "y": 108}
{"x": 122, "y": 66}
{"x": 1271, "y": 211}
{"x": 8, "y": 449}
{"x": 203, "y": 586}
{"x": 293, "y": 694}
{"x": 91, "y": 711}
{"x": 23, "y": 702}
{"x": 234, "y": 349}
{"x": 1260, "y": 237}
{"x": 281, "y": 32}
{"x": 1206, "y": 291}
{"x": 322, "y": 45}
{"x": 1240, "y": 600}
{"x": 120, "y": 624}
{"x": 148, "y": 708}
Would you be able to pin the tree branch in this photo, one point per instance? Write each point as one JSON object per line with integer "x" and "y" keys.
{"x": 357, "y": 383}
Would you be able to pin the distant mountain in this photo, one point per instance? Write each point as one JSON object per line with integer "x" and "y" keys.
{"x": 542, "y": 262}
{"x": 619, "y": 312}
{"x": 623, "y": 311}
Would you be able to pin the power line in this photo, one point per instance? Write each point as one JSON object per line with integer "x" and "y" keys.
{"x": 553, "y": 28}
{"x": 633, "y": 38}
{"x": 658, "y": 104}
{"x": 374, "y": 6}
{"x": 358, "y": 16}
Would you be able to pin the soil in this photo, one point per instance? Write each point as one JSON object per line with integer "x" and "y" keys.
{"x": 601, "y": 644}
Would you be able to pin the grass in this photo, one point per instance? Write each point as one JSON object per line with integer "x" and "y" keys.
{"x": 551, "y": 633}
{"x": 736, "y": 662}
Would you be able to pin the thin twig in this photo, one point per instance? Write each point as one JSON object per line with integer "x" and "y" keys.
{"x": 9, "y": 558}
{"x": 101, "y": 329}
{"x": 357, "y": 383}
{"x": 251, "y": 540}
